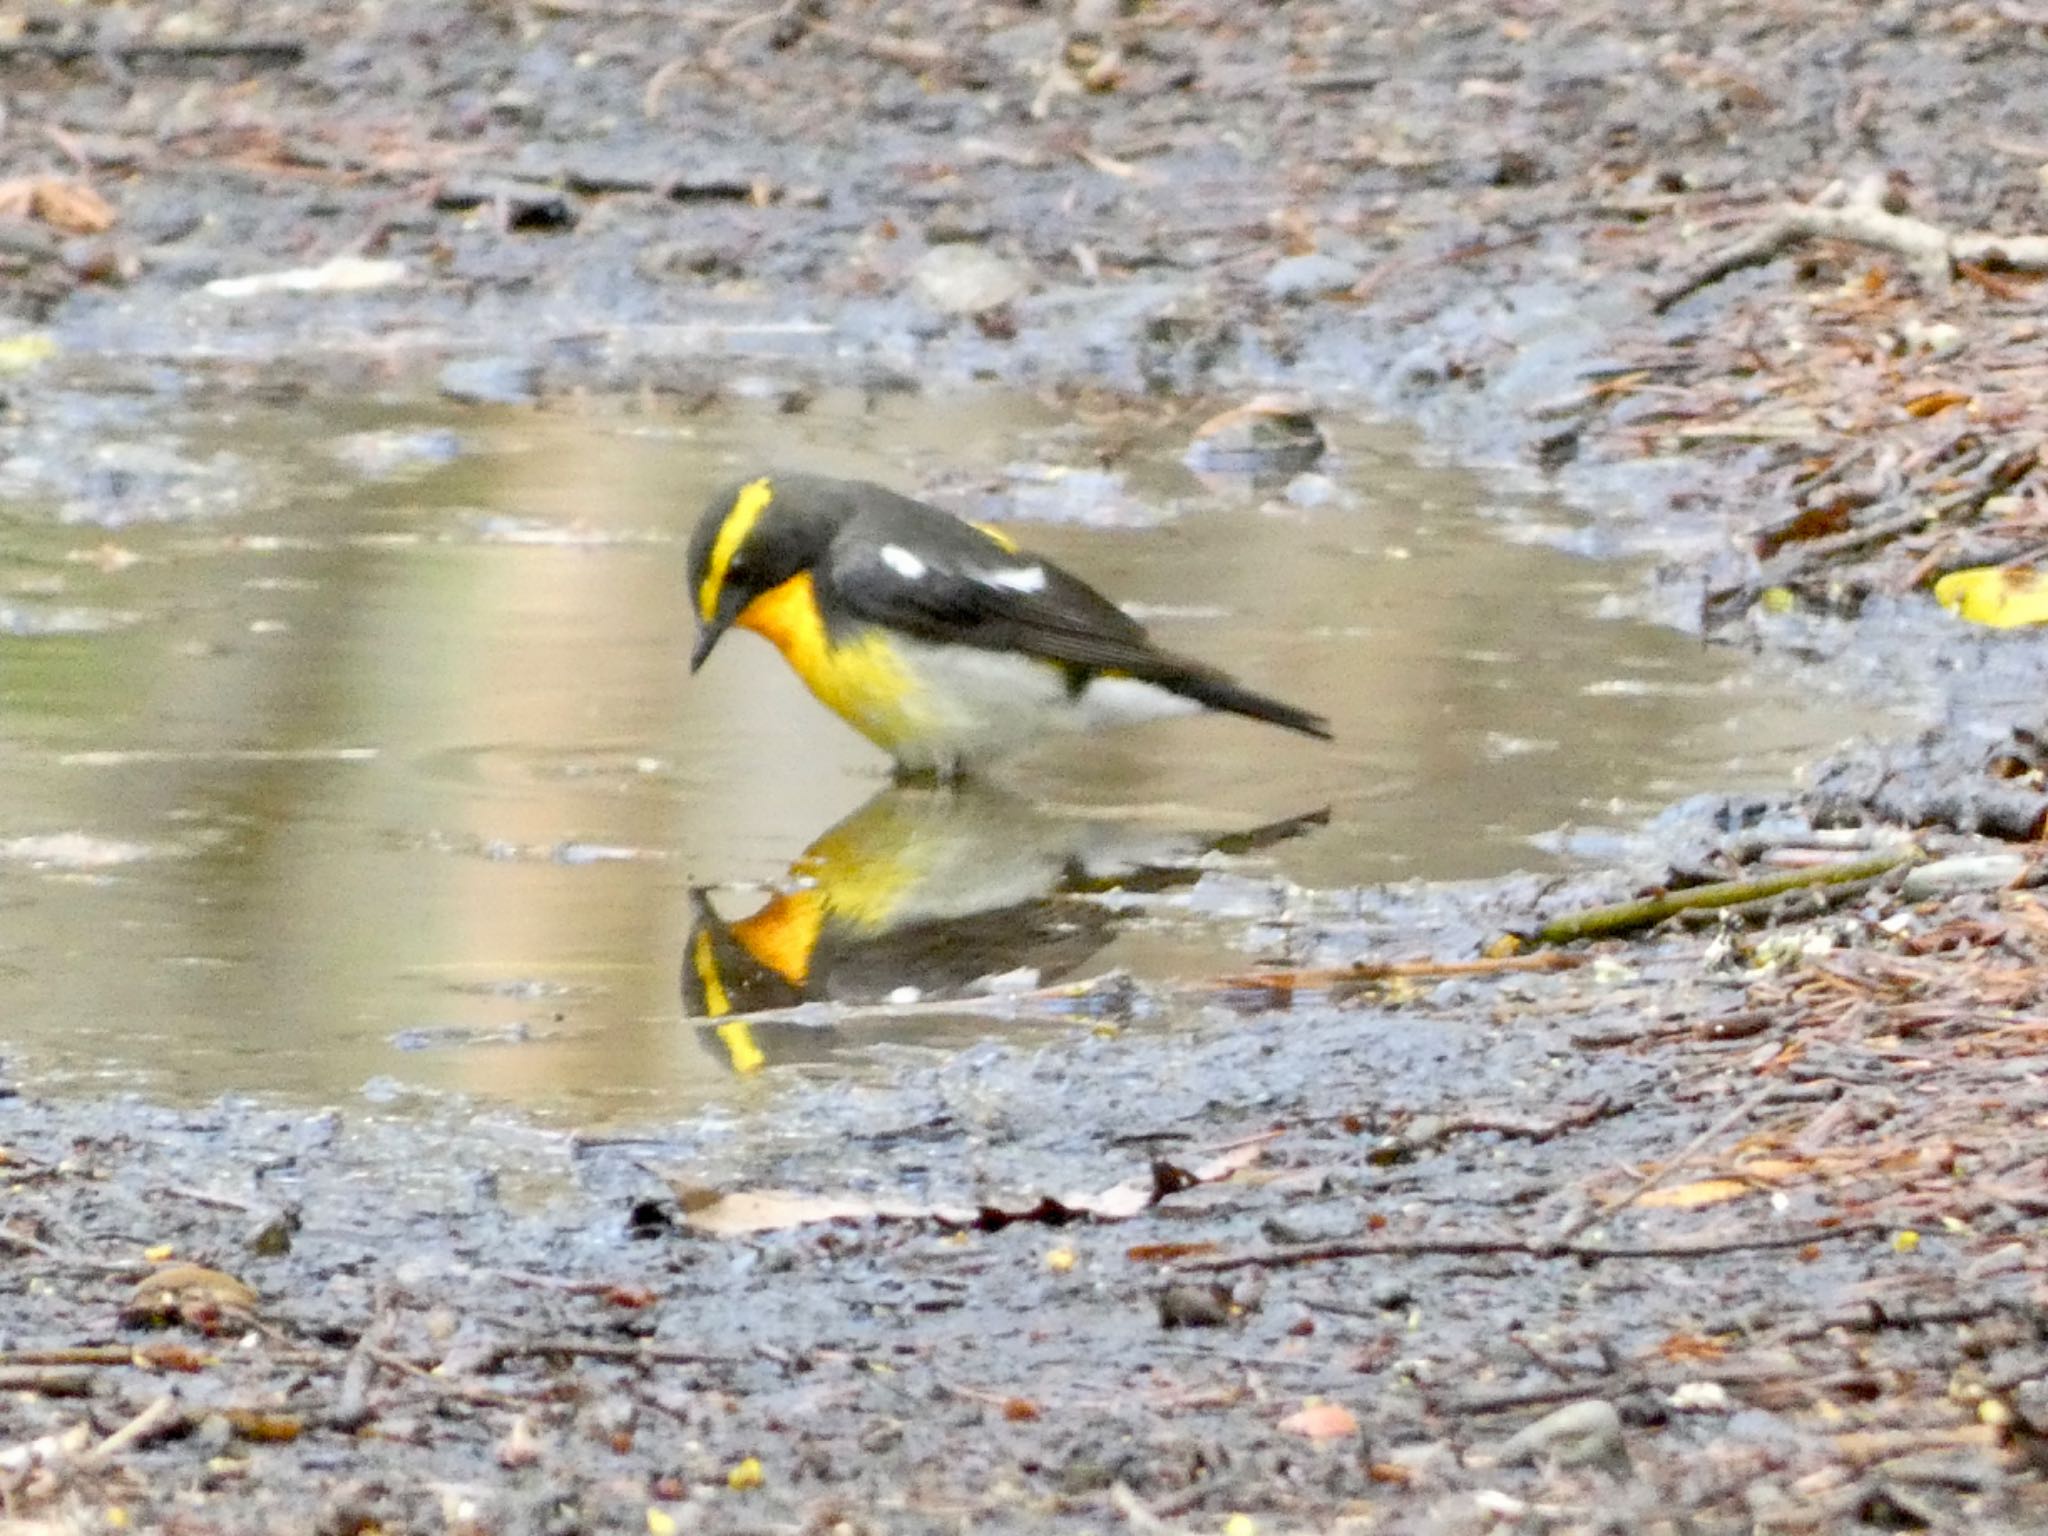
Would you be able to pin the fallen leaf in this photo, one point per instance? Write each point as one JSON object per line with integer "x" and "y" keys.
{"x": 1691, "y": 1346}
{"x": 1685, "y": 1197}
{"x": 171, "y": 1357}
{"x": 1320, "y": 1421}
{"x": 747, "y": 1474}
{"x": 2000, "y": 596}
{"x": 262, "y": 1426}
{"x": 68, "y": 206}
{"x": 1935, "y": 402}
{"x": 1161, "y": 1253}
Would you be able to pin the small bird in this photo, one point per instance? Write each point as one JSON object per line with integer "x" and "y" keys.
{"x": 938, "y": 640}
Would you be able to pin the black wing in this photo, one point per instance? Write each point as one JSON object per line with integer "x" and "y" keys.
{"x": 914, "y": 568}
{"x": 940, "y": 579}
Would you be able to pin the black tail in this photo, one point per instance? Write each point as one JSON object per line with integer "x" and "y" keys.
{"x": 1213, "y": 690}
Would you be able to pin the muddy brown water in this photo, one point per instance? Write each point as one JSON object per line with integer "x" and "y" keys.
{"x": 383, "y": 776}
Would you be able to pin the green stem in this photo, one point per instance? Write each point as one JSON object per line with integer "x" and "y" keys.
{"x": 1627, "y": 916}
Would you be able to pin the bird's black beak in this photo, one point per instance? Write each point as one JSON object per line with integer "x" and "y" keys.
{"x": 707, "y": 637}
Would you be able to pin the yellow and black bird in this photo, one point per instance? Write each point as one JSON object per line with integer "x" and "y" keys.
{"x": 938, "y": 640}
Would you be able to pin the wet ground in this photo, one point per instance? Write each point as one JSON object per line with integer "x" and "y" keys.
{"x": 1757, "y": 1197}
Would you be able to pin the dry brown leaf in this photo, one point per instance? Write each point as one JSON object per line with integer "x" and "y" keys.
{"x": 1691, "y": 1346}
{"x": 262, "y": 1425}
{"x": 1162, "y": 1253}
{"x": 1320, "y": 1421}
{"x": 1935, "y": 402}
{"x": 1685, "y": 1197}
{"x": 69, "y": 206}
{"x": 172, "y": 1357}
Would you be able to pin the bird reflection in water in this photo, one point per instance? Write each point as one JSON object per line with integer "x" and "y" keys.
{"x": 926, "y": 894}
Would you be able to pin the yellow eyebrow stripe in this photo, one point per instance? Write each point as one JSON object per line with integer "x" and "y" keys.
{"x": 747, "y": 508}
{"x": 704, "y": 960}
{"x": 996, "y": 536}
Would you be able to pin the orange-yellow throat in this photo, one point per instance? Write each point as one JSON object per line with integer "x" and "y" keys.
{"x": 861, "y": 680}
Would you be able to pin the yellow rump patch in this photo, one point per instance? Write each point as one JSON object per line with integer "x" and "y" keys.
{"x": 746, "y": 511}
{"x": 997, "y": 537}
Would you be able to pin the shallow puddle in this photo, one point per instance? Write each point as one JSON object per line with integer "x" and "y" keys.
{"x": 380, "y": 771}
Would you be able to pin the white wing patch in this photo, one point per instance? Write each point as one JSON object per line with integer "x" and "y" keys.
{"x": 903, "y": 562}
{"x": 1018, "y": 578}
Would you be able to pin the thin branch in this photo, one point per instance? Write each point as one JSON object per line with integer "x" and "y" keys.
{"x": 1930, "y": 250}
{"x": 1535, "y": 1248}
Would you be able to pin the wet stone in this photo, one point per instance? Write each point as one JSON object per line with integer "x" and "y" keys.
{"x": 968, "y": 280}
{"x": 1268, "y": 434}
{"x": 1311, "y": 1224}
{"x": 393, "y": 454}
{"x": 954, "y": 224}
{"x": 1296, "y": 279}
{"x": 491, "y": 381}
{"x": 1195, "y": 1306}
{"x": 1578, "y": 1434}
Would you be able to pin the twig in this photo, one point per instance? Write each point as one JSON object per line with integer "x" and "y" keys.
{"x": 84, "y": 1354}
{"x": 268, "y": 52}
{"x": 161, "y": 1418}
{"x": 1535, "y": 1248}
{"x": 1400, "y": 970}
{"x": 462, "y": 1391}
{"x": 1962, "y": 504}
{"x": 1643, "y": 1186}
{"x": 605, "y": 1349}
{"x": 1862, "y": 218}
{"x": 352, "y": 1410}
{"x": 48, "y": 1381}
{"x": 1627, "y": 916}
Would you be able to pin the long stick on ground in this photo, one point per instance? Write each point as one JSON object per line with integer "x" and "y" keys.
{"x": 1627, "y": 916}
{"x": 1451, "y": 1245}
{"x": 1862, "y": 217}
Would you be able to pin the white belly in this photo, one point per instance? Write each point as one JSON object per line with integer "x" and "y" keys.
{"x": 972, "y": 705}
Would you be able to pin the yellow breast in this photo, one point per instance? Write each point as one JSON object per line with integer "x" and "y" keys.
{"x": 861, "y": 680}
